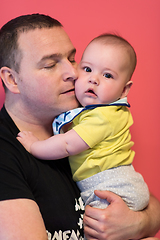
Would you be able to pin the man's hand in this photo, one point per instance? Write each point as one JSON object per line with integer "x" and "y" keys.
{"x": 118, "y": 222}
{"x": 115, "y": 222}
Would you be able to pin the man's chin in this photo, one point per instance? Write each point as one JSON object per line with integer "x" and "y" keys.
{"x": 68, "y": 105}
{"x": 73, "y": 104}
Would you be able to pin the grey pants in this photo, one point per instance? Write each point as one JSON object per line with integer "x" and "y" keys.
{"x": 123, "y": 180}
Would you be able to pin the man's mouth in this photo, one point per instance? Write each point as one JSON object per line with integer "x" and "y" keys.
{"x": 69, "y": 91}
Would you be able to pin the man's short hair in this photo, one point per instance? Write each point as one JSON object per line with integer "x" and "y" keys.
{"x": 10, "y": 55}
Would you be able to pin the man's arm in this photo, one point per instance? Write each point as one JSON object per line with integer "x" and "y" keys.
{"x": 117, "y": 221}
{"x": 21, "y": 219}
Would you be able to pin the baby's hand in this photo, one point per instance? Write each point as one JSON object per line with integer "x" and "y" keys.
{"x": 26, "y": 139}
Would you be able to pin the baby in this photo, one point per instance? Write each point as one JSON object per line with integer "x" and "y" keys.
{"x": 99, "y": 142}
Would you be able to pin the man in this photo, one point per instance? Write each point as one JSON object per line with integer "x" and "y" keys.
{"x": 38, "y": 70}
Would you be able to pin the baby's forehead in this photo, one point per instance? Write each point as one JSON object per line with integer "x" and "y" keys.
{"x": 116, "y": 49}
{"x": 101, "y": 47}
{"x": 109, "y": 43}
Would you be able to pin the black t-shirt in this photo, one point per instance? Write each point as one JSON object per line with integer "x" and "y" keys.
{"x": 48, "y": 183}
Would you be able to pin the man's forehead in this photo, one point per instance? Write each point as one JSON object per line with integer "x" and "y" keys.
{"x": 47, "y": 40}
{"x": 44, "y": 35}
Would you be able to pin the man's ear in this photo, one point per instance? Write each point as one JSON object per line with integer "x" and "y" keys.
{"x": 9, "y": 77}
{"x": 126, "y": 89}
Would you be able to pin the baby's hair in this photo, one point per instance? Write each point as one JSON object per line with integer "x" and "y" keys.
{"x": 113, "y": 39}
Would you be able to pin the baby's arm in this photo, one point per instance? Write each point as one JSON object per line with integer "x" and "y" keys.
{"x": 55, "y": 147}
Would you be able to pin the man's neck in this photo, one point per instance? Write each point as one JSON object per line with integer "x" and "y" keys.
{"x": 41, "y": 129}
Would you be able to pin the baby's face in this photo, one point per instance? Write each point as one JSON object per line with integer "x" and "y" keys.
{"x": 103, "y": 74}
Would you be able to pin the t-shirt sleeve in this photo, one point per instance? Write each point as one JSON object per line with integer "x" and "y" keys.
{"x": 13, "y": 178}
{"x": 92, "y": 127}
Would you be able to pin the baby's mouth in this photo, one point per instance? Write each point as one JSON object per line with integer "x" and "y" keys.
{"x": 91, "y": 93}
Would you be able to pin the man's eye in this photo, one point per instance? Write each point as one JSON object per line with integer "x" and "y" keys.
{"x": 49, "y": 66}
{"x": 72, "y": 60}
{"x": 87, "y": 69}
{"x": 108, "y": 75}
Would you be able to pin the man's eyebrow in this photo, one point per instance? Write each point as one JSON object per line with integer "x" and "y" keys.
{"x": 73, "y": 51}
{"x": 51, "y": 56}
{"x": 56, "y": 55}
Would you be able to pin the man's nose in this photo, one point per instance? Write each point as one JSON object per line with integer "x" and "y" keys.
{"x": 69, "y": 71}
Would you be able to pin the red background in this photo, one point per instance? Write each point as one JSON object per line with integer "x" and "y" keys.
{"x": 136, "y": 20}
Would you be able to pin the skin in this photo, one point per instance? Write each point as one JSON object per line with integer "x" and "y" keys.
{"x": 104, "y": 73}
{"x": 32, "y": 108}
{"x": 152, "y": 238}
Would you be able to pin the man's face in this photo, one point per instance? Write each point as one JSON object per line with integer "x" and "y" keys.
{"x": 47, "y": 71}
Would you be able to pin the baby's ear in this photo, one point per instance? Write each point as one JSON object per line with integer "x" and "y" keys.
{"x": 126, "y": 89}
{"x": 9, "y": 77}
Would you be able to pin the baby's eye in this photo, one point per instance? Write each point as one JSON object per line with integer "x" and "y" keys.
{"x": 108, "y": 75}
{"x": 87, "y": 69}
